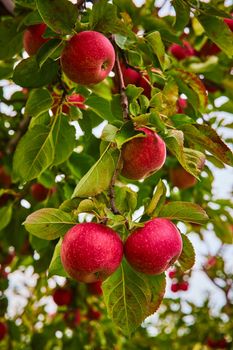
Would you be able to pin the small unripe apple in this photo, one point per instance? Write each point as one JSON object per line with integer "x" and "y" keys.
{"x": 63, "y": 296}
{"x": 88, "y": 58}
{"x": 95, "y": 288}
{"x": 39, "y": 192}
{"x": 142, "y": 156}
{"x": 75, "y": 100}
{"x": 5, "y": 178}
{"x": 91, "y": 252}
{"x": 3, "y": 330}
{"x": 181, "y": 178}
{"x": 182, "y": 52}
{"x": 33, "y": 39}
{"x": 151, "y": 249}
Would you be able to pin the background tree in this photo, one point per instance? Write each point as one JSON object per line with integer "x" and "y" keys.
{"x": 110, "y": 114}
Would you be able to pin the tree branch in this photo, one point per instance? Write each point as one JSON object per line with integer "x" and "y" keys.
{"x": 111, "y": 188}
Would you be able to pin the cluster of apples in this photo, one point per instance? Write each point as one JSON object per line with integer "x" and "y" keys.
{"x": 179, "y": 281}
{"x": 217, "y": 344}
{"x": 3, "y": 330}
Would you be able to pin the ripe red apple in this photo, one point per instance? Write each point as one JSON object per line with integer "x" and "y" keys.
{"x": 181, "y": 178}
{"x": 72, "y": 318}
{"x": 151, "y": 249}
{"x": 91, "y": 252}
{"x": 71, "y": 100}
{"x": 5, "y": 179}
{"x": 143, "y": 82}
{"x": 39, "y": 192}
{"x": 175, "y": 287}
{"x": 3, "y": 330}
{"x": 184, "y": 286}
{"x": 33, "y": 39}
{"x": 95, "y": 288}
{"x": 181, "y": 105}
{"x": 88, "y": 58}
{"x": 182, "y": 52}
{"x": 63, "y": 296}
{"x": 229, "y": 22}
{"x": 172, "y": 274}
{"x": 143, "y": 156}
{"x": 130, "y": 76}
{"x": 93, "y": 314}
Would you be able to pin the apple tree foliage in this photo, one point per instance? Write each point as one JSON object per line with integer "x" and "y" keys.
{"x": 81, "y": 170}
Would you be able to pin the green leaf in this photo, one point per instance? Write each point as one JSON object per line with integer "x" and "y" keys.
{"x": 182, "y": 14}
{"x": 39, "y": 101}
{"x": 98, "y": 178}
{"x": 11, "y": 41}
{"x": 187, "y": 257}
{"x": 56, "y": 267}
{"x": 59, "y": 15}
{"x": 28, "y": 73}
{"x": 184, "y": 211}
{"x": 63, "y": 139}
{"x": 5, "y": 215}
{"x": 209, "y": 140}
{"x": 48, "y": 223}
{"x": 157, "y": 200}
{"x": 34, "y": 153}
{"x": 155, "y": 41}
{"x": 47, "y": 50}
{"x": 191, "y": 160}
{"x": 218, "y": 32}
{"x": 6, "y": 70}
{"x": 101, "y": 107}
{"x": 131, "y": 296}
{"x": 125, "y": 199}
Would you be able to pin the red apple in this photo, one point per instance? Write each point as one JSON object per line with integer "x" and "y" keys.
{"x": 63, "y": 296}
{"x": 88, "y": 58}
{"x": 33, "y": 39}
{"x": 39, "y": 192}
{"x": 143, "y": 82}
{"x": 130, "y": 76}
{"x": 142, "y": 156}
{"x": 175, "y": 287}
{"x": 71, "y": 100}
{"x": 5, "y": 179}
{"x": 91, "y": 252}
{"x": 209, "y": 49}
{"x": 229, "y": 22}
{"x": 184, "y": 286}
{"x": 151, "y": 249}
{"x": 181, "y": 178}
{"x": 181, "y": 52}
{"x": 93, "y": 314}
{"x": 181, "y": 105}
{"x": 172, "y": 274}
{"x": 3, "y": 330}
{"x": 95, "y": 288}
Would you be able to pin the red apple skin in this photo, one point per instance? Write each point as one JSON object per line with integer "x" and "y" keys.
{"x": 76, "y": 100}
{"x": 143, "y": 82}
{"x": 95, "y": 288}
{"x": 91, "y": 252}
{"x": 63, "y": 296}
{"x": 143, "y": 156}
{"x": 175, "y": 287}
{"x": 229, "y": 22}
{"x": 172, "y": 274}
{"x": 181, "y": 52}
{"x": 88, "y": 58}
{"x": 93, "y": 314}
{"x": 39, "y": 192}
{"x": 3, "y": 330}
{"x": 181, "y": 178}
{"x": 153, "y": 248}
{"x": 181, "y": 105}
{"x": 130, "y": 76}
{"x": 184, "y": 286}
{"x": 32, "y": 38}
{"x": 209, "y": 49}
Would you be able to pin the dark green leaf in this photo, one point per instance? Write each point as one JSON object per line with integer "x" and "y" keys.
{"x": 184, "y": 211}
{"x": 182, "y": 14}
{"x": 11, "y": 40}
{"x": 39, "y": 101}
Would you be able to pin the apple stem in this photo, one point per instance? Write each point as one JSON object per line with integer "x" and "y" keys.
{"x": 124, "y": 98}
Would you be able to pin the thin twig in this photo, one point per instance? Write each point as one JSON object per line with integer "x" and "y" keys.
{"x": 124, "y": 98}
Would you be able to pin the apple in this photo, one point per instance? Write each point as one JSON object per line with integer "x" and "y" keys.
{"x": 40, "y": 193}
{"x": 229, "y": 22}
{"x": 181, "y": 105}
{"x": 209, "y": 49}
{"x": 88, "y": 58}
{"x": 3, "y": 330}
{"x": 95, "y": 288}
{"x": 151, "y": 249}
{"x": 93, "y": 314}
{"x": 184, "y": 286}
{"x": 181, "y": 52}
{"x": 76, "y": 100}
{"x": 5, "y": 179}
{"x": 130, "y": 76}
{"x": 33, "y": 39}
{"x": 172, "y": 274}
{"x": 91, "y": 252}
{"x": 72, "y": 318}
{"x": 63, "y": 296}
{"x": 143, "y": 82}
{"x": 142, "y": 156}
{"x": 181, "y": 178}
{"x": 175, "y": 287}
